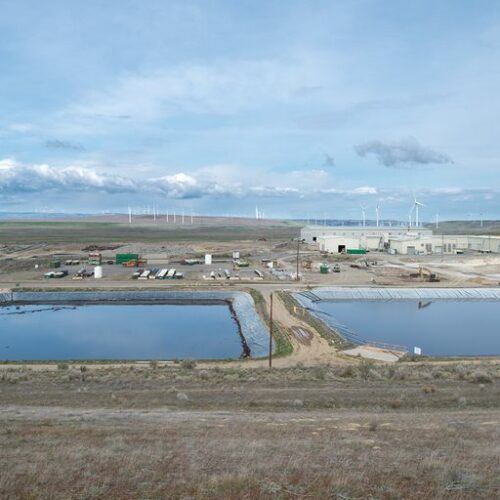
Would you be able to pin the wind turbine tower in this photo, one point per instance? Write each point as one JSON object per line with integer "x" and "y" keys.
{"x": 417, "y": 204}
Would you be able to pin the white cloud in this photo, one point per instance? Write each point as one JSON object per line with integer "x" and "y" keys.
{"x": 224, "y": 87}
{"x": 365, "y": 190}
{"x": 18, "y": 178}
{"x": 216, "y": 182}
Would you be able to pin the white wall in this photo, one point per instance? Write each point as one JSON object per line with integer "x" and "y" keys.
{"x": 331, "y": 243}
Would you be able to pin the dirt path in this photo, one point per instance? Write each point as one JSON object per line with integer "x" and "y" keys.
{"x": 313, "y": 352}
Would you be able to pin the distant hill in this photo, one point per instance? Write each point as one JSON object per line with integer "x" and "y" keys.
{"x": 466, "y": 227}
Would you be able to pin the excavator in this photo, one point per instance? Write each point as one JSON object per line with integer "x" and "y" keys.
{"x": 427, "y": 275}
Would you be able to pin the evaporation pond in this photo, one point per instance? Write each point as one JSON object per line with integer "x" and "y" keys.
{"x": 118, "y": 331}
{"x": 439, "y": 328}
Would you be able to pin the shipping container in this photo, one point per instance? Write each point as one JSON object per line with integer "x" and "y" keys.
{"x": 123, "y": 258}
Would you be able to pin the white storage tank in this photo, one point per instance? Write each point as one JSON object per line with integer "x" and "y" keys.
{"x": 98, "y": 272}
{"x": 208, "y": 259}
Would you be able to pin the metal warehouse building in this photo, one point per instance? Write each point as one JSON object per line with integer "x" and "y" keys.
{"x": 444, "y": 244}
{"x": 400, "y": 240}
{"x": 337, "y": 239}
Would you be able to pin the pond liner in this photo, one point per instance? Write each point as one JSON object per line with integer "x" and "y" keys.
{"x": 394, "y": 293}
{"x": 310, "y": 298}
{"x": 253, "y": 333}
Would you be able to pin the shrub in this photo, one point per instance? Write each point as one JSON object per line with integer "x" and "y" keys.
{"x": 395, "y": 404}
{"x": 428, "y": 389}
{"x": 319, "y": 372}
{"x": 181, "y": 396}
{"x": 62, "y": 366}
{"x": 461, "y": 371}
{"x": 188, "y": 364}
{"x": 347, "y": 372}
{"x": 365, "y": 368}
{"x": 481, "y": 377}
{"x": 153, "y": 364}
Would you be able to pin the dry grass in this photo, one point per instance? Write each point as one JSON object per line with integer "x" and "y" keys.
{"x": 35, "y": 232}
{"x": 125, "y": 433}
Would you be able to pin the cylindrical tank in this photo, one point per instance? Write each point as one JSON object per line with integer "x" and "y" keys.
{"x": 98, "y": 272}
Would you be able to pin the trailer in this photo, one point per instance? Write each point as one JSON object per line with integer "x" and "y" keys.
{"x": 95, "y": 258}
{"x": 162, "y": 274}
{"x": 259, "y": 273}
{"x": 136, "y": 274}
{"x": 153, "y": 274}
{"x": 227, "y": 273}
{"x": 171, "y": 274}
{"x": 145, "y": 274}
{"x": 179, "y": 276}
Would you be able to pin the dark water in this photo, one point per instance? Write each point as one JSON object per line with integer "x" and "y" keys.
{"x": 153, "y": 331}
{"x": 443, "y": 328}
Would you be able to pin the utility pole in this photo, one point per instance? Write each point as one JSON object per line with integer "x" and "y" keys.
{"x": 298, "y": 249}
{"x": 271, "y": 332}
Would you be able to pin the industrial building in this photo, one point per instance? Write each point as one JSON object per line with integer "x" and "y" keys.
{"x": 310, "y": 234}
{"x": 444, "y": 244}
{"x": 397, "y": 240}
{"x": 339, "y": 239}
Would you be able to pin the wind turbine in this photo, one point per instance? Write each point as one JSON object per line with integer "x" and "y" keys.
{"x": 377, "y": 214}
{"x": 417, "y": 204}
{"x": 363, "y": 215}
{"x": 129, "y": 215}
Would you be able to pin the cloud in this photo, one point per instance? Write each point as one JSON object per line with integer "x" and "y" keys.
{"x": 222, "y": 88}
{"x": 19, "y": 178}
{"x": 404, "y": 153}
{"x": 214, "y": 182}
{"x": 359, "y": 191}
{"x": 64, "y": 145}
{"x": 329, "y": 161}
{"x": 365, "y": 111}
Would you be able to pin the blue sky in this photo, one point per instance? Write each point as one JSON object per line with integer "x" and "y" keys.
{"x": 304, "y": 108}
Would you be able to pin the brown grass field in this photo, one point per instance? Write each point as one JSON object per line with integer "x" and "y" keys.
{"x": 54, "y": 232}
{"x": 354, "y": 431}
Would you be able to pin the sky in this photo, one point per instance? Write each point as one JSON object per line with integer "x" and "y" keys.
{"x": 304, "y": 109}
